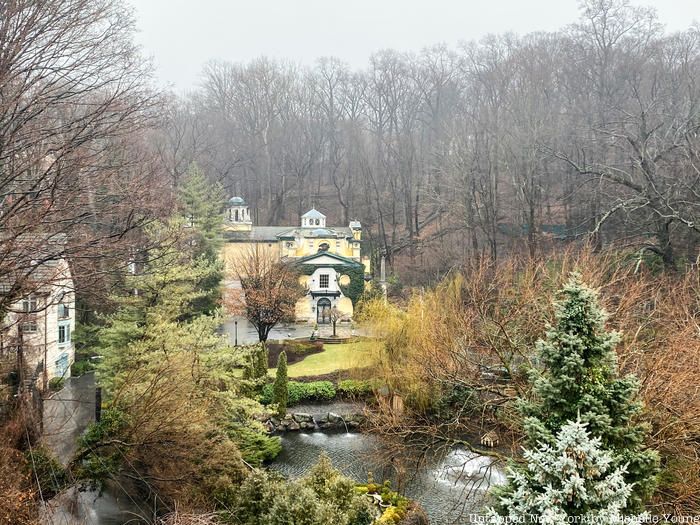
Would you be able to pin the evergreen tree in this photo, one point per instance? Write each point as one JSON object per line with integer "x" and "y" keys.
{"x": 202, "y": 205}
{"x": 172, "y": 378}
{"x": 280, "y": 391}
{"x": 260, "y": 361}
{"x": 580, "y": 380}
{"x": 256, "y": 365}
{"x": 572, "y": 478}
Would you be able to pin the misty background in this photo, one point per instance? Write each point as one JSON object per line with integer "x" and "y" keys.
{"x": 181, "y": 35}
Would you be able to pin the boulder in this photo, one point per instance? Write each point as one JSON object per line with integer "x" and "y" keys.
{"x": 301, "y": 417}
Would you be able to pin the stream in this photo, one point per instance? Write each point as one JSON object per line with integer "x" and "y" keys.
{"x": 66, "y": 415}
{"x": 449, "y": 486}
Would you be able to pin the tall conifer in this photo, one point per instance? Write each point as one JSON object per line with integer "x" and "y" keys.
{"x": 579, "y": 381}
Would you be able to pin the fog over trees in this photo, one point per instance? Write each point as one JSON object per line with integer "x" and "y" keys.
{"x": 513, "y": 142}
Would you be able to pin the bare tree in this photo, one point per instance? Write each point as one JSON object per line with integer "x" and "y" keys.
{"x": 270, "y": 290}
{"x": 75, "y": 110}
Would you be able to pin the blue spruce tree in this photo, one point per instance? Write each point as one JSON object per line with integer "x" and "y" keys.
{"x": 579, "y": 381}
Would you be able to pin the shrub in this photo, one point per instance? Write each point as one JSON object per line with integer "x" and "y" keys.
{"x": 255, "y": 447}
{"x": 298, "y": 392}
{"x": 356, "y": 388}
{"x": 99, "y": 468}
{"x": 81, "y": 367}
{"x": 50, "y": 475}
{"x": 302, "y": 348}
{"x": 394, "y": 507}
{"x": 280, "y": 390}
{"x": 323, "y": 496}
{"x": 56, "y": 383}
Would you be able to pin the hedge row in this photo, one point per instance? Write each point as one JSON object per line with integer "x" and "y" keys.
{"x": 298, "y": 392}
{"x": 321, "y": 391}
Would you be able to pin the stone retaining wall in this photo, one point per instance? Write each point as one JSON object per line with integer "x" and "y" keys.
{"x": 303, "y": 421}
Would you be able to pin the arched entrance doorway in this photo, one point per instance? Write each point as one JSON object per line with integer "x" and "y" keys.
{"x": 323, "y": 311}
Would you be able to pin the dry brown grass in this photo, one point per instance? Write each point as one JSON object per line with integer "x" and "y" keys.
{"x": 18, "y": 496}
{"x": 179, "y": 518}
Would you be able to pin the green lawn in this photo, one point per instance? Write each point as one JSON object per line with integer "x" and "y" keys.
{"x": 335, "y": 357}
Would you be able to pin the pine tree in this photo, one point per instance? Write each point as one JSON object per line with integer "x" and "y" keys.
{"x": 168, "y": 287}
{"x": 580, "y": 380}
{"x": 280, "y": 393}
{"x": 573, "y": 477}
{"x": 202, "y": 204}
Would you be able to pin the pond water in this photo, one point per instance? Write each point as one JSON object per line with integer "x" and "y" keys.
{"x": 450, "y": 485}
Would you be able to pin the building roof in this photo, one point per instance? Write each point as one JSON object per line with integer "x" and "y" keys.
{"x": 275, "y": 233}
{"x": 257, "y": 234}
{"x": 339, "y": 258}
{"x": 313, "y": 213}
{"x": 236, "y": 201}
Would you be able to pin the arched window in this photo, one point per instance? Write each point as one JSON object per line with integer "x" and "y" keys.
{"x": 235, "y": 214}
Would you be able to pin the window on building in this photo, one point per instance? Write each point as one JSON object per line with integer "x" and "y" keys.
{"x": 323, "y": 280}
{"x": 29, "y": 303}
{"x": 63, "y": 334}
{"x": 29, "y": 327}
{"x": 318, "y": 222}
{"x": 63, "y": 311}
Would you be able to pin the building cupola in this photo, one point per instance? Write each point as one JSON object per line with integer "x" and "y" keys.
{"x": 356, "y": 229}
{"x": 238, "y": 214}
{"x": 313, "y": 219}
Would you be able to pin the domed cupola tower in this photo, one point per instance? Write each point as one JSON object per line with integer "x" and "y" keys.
{"x": 238, "y": 215}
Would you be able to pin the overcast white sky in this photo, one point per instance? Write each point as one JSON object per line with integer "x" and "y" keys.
{"x": 181, "y": 35}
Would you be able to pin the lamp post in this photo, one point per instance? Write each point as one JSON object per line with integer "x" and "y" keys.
{"x": 235, "y": 333}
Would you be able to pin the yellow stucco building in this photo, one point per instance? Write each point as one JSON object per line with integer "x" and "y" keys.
{"x": 329, "y": 257}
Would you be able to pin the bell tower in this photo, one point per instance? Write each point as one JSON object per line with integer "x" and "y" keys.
{"x": 238, "y": 215}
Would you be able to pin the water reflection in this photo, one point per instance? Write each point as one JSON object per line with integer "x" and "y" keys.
{"x": 448, "y": 486}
